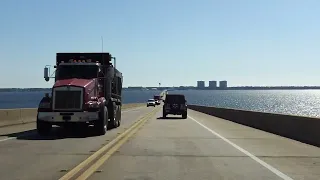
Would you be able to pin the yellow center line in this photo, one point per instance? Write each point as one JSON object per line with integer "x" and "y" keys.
{"x": 108, "y": 154}
{"x": 114, "y": 142}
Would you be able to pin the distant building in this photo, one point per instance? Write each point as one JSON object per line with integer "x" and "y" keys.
{"x": 212, "y": 84}
{"x": 200, "y": 84}
{"x": 223, "y": 84}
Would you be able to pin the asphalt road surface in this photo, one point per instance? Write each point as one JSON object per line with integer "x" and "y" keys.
{"x": 199, "y": 147}
{"x": 26, "y": 155}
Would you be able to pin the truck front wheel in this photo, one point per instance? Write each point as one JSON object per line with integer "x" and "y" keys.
{"x": 43, "y": 128}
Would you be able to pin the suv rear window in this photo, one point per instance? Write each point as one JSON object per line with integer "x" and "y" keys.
{"x": 175, "y": 98}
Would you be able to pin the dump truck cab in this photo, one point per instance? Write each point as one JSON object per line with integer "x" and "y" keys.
{"x": 87, "y": 91}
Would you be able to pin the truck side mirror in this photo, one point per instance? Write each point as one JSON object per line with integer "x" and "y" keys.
{"x": 46, "y": 74}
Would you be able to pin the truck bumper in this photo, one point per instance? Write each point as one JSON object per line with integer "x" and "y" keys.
{"x": 59, "y": 117}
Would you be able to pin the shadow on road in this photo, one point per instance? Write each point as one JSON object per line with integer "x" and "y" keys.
{"x": 55, "y": 134}
{"x": 170, "y": 118}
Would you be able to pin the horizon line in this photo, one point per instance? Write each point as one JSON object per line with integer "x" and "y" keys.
{"x": 178, "y": 86}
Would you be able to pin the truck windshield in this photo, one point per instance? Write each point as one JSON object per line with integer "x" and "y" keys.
{"x": 76, "y": 71}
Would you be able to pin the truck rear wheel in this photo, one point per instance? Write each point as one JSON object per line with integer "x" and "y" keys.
{"x": 114, "y": 123}
{"x": 119, "y": 115}
{"x": 101, "y": 125}
{"x": 43, "y": 128}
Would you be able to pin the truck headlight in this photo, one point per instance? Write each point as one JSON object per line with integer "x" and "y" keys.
{"x": 93, "y": 104}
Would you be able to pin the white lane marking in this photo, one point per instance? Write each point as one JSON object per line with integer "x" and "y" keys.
{"x": 266, "y": 165}
{"x": 6, "y": 139}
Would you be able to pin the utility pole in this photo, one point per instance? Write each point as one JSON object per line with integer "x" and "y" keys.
{"x": 102, "y": 43}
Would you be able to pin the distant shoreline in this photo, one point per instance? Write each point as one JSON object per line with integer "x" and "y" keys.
{"x": 181, "y": 88}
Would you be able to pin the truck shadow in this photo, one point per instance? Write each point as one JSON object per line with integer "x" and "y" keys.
{"x": 55, "y": 134}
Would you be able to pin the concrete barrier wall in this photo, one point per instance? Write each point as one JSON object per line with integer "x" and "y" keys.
{"x": 303, "y": 129}
{"x": 26, "y": 115}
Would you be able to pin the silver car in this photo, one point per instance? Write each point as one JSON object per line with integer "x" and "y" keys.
{"x": 151, "y": 102}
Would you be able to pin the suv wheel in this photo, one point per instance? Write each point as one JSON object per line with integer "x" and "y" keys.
{"x": 184, "y": 115}
{"x": 164, "y": 114}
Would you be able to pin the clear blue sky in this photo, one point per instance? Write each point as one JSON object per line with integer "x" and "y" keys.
{"x": 247, "y": 42}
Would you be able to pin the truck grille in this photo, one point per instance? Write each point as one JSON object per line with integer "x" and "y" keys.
{"x": 67, "y": 100}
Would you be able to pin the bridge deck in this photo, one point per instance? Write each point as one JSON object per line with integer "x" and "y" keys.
{"x": 200, "y": 147}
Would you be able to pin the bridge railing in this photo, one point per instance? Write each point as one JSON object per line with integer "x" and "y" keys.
{"x": 300, "y": 128}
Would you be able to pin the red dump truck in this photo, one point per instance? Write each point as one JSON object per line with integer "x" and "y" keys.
{"x": 157, "y": 98}
{"x": 87, "y": 91}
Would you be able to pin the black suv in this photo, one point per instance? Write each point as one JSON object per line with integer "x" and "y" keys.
{"x": 175, "y": 104}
